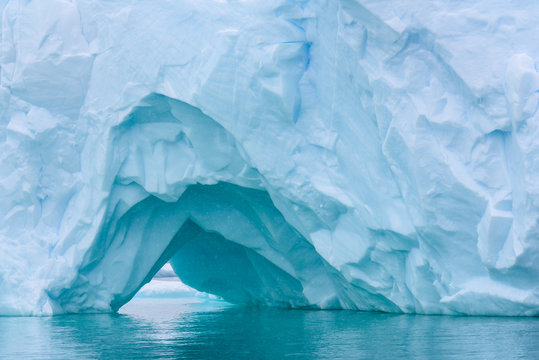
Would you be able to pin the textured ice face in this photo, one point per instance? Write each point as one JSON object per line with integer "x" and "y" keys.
{"x": 374, "y": 155}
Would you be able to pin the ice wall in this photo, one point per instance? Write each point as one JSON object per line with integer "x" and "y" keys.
{"x": 373, "y": 155}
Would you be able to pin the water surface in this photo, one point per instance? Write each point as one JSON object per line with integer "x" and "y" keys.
{"x": 202, "y": 329}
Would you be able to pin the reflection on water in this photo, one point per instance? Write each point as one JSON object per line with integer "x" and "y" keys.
{"x": 185, "y": 328}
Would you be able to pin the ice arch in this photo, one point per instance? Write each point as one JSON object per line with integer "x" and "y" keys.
{"x": 184, "y": 191}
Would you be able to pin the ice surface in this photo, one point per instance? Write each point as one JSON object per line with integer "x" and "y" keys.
{"x": 373, "y": 155}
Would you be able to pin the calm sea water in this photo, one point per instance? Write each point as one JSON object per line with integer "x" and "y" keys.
{"x": 188, "y": 328}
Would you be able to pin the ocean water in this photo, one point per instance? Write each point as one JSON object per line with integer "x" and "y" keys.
{"x": 190, "y": 328}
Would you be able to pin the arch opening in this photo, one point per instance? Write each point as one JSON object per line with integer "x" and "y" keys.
{"x": 232, "y": 243}
{"x": 222, "y": 239}
{"x": 183, "y": 191}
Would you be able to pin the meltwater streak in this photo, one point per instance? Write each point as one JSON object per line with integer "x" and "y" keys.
{"x": 193, "y": 328}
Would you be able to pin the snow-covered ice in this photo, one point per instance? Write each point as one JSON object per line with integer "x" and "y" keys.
{"x": 372, "y": 154}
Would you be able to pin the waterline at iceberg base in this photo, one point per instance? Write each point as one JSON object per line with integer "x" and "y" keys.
{"x": 369, "y": 155}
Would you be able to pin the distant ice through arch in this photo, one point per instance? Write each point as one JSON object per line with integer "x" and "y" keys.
{"x": 167, "y": 284}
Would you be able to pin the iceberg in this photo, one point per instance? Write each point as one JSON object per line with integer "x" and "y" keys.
{"x": 369, "y": 155}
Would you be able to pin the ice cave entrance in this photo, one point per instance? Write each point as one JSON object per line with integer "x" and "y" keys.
{"x": 232, "y": 243}
{"x": 183, "y": 193}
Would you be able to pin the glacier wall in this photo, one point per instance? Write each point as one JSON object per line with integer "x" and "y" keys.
{"x": 371, "y": 155}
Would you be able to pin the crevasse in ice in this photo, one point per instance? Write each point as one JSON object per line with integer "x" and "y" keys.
{"x": 372, "y": 155}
